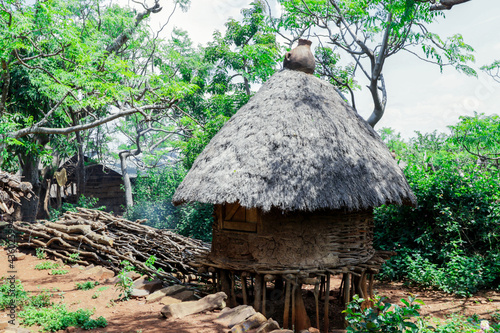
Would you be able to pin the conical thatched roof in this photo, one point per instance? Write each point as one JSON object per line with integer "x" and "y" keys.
{"x": 296, "y": 145}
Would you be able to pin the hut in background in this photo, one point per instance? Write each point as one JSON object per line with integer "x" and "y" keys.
{"x": 101, "y": 182}
{"x": 294, "y": 176}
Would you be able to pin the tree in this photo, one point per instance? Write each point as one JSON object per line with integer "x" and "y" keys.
{"x": 369, "y": 32}
{"x": 78, "y": 56}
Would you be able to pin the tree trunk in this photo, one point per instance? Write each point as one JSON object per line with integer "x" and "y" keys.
{"x": 29, "y": 207}
{"x": 124, "y": 155}
{"x": 80, "y": 168}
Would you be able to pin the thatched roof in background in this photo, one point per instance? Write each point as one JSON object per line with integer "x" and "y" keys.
{"x": 296, "y": 145}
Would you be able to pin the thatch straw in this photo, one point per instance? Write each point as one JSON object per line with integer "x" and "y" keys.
{"x": 296, "y": 145}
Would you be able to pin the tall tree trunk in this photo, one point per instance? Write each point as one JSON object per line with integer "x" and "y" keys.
{"x": 29, "y": 207}
{"x": 124, "y": 155}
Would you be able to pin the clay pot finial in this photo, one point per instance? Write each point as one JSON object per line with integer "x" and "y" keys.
{"x": 300, "y": 58}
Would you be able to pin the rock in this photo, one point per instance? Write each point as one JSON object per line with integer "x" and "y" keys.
{"x": 88, "y": 267}
{"x": 268, "y": 326}
{"x": 252, "y": 322}
{"x": 313, "y": 330}
{"x": 136, "y": 293}
{"x": 75, "y": 266}
{"x": 159, "y": 294}
{"x": 151, "y": 286}
{"x": 207, "y": 303}
{"x": 186, "y": 295}
{"x": 60, "y": 262}
{"x": 19, "y": 256}
{"x": 71, "y": 329}
{"x": 99, "y": 273}
{"x": 281, "y": 331}
{"x": 234, "y": 316}
{"x": 167, "y": 300}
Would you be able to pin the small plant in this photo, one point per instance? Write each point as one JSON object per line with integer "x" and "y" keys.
{"x": 102, "y": 288}
{"x": 96, "y": 295}
{"x": 124, "y": 284}
{"x": 59, "y": 272}
{"x": 42, "y": 300}
{"x": 7, "y": 297}
{"x": 47, "y": 265}
{"x": 384, "y": 317}
{"x": 40, "y": 253}
{"x": 86, "y": 285}
{"x": 59, "y": 318}
{"x": 74, "y": 257}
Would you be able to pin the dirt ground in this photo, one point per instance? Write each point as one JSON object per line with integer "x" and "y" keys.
{"x": 135, "y": 316}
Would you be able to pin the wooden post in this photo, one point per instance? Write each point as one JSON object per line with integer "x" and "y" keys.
{"x": 294, "y": 290}
{"x": 302, "y": 321}
{"x": 225, "y": 284}
{"x": 286, "y": 314}
{"x": 327, "y": 303}
{"x": 258, "y": 293}
{"x": 347, "y": 285}
{"x": 244, "y": 288}
{"x": 316, "y": 302}
{"x": 370, "y": 287}
{"x": 233, "y": 291}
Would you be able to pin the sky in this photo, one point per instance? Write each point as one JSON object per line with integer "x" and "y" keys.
{"x": 420, "y": 97}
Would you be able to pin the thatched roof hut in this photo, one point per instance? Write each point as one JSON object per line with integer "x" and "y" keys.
{"x": 296, "y": 145}
{"x": 294, "y": 176}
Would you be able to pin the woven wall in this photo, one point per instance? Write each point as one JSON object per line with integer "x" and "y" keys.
{"x": 280, "y": 241}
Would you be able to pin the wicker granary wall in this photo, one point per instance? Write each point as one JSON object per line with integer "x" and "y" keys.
{"x": 281, "y": 241}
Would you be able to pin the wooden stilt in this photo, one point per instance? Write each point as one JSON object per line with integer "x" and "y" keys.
{"x": 370, "y": 286}
{"x": 322, "y": 287}
{"x": 347, "y": 285}
{"x": 294, "y": 290}
{"x": 264, "y": 296}
{"x": 244, "y": 289}
{"x": 233, "y": 290}
{"x": 258, "y": 293}
{"x": 316, "y": 302}
{"x": 286, "y": 314}
{"x": 225, "y": 284}
{"x": 327, "y": 303}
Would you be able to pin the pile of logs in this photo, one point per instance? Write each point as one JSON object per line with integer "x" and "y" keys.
{"x": 103, "y": 239}
{"x": 11, "y": 192}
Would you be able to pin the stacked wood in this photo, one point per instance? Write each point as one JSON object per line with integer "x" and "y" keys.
{"x": 12, "y": 189}
{"x": 103, "y": 239}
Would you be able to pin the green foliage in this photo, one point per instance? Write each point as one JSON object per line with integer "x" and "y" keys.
{"x": 59, "y": 272}
{"x": 74, "y": 257}
{"x": 451, "y": 241}
{"x": 86, "y": 285}
{"x": 59, "y": 318}
{"x": 153, "y": 193}
{"x": 19, "y": 297}
{"x": 47, "y": 265}
{"x": 384, "y": 317}
{"x": 40, "y": 253}
{"x": 83, "y": 202}
{"x": 124, "y": 284}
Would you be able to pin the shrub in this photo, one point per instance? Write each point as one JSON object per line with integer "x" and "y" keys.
{"x": 59, "y": 318}
{"x": 86, "y": 285}
{"x": 383, "y": 317}
{"x": 59, "y": 272}
{"x": 451, "y": 240}
{"x": 47, "y": 265}
{"x": 40, "y": 253}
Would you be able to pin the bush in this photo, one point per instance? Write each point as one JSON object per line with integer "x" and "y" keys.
{"x": 451, "y": 240}
{"x": 59, "y": 318}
